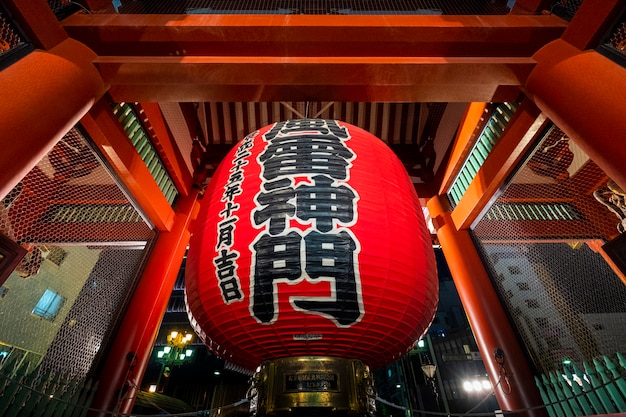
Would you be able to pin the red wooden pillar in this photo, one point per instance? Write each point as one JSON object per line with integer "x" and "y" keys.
{"x": 513, "y": 381}
{"x": 582, "y": 92}
{"x": 128, "y": 357}
{"x": 46, "y": 93}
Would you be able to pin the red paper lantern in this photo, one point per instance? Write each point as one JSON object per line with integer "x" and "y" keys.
{"x": 311, "y": 241}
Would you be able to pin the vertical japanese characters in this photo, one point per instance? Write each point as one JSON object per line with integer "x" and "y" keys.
{"x": 304, "y": 210}
{"x": 226, "y": 260}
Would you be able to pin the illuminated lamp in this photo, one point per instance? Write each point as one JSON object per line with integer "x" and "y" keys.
{"x": 311, "y": 262}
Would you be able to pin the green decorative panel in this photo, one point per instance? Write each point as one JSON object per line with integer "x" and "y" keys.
{"x": 490, "y": 135}
{"x": 131, "y": 123}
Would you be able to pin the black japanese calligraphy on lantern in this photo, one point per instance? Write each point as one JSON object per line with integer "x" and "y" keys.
{"x": 225, "y": 261}
{"x": 277, "y": 260}
{"x": 303, "y": 212}
{"x": 330, "y": 256}
{"x": 325, "y": 203}
{"x": 228, "y": 280}
{"x": 276, "y": 205}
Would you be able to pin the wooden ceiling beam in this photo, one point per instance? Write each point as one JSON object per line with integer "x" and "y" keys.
{"x": 309, "y": 57}
{"x": 314, "y": 35}
{"x": 256, "y": 79}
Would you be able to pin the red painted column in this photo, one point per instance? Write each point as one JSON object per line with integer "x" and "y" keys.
{"x": 128, "y": 357}
{"x": 514, "y": 384}
{"x": 582, "y": 92}
{"x": 46, "y": 94}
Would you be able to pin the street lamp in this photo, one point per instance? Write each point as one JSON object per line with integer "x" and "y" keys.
{"x": 477, "y": 385}
{"x": 179, "y": 340}
{"x": 430, "y": 372}
{"x": 173, "y": 354}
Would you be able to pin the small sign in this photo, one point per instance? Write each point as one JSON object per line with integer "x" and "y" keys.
{"x": 311, "y": 382}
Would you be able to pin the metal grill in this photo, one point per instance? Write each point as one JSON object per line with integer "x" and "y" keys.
{"x": 618, "y": 40}
{"x": 542, "y": 242}
{"x": 8, "y": 36}
{"x": 339, "y": 7}
{"x": 614, "y": 44}
{"x": 566, "y": 8}
{"x": 12, "y": 43}
{"x": 85, "y": 243}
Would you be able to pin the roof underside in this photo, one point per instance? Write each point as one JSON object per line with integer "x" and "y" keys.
{"x": 405, "y": 78}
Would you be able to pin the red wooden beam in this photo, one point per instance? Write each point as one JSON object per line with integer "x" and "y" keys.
{"x": 307, "y": 79}
{"x": 314, "y": 35}
{"x": 106, "y": 132}
{"x": 592, "y": 114}
{"x": 49, "y": 91}
{"x": 309, "y": 57}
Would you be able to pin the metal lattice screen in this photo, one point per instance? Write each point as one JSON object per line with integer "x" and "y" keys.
{"x": 13, "y": 44}
{"x": 614, "y": 44}
{"x": 542, "y": 240}
{"x": 9, "y": 38}
{"x": 565, "y": 8}
{"x": 85, "y": 243}
{"x": 618, "y": 38}
{"x": 341, "y": 7}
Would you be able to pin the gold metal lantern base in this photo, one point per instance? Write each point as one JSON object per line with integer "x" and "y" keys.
{"x": 312, "y": 386}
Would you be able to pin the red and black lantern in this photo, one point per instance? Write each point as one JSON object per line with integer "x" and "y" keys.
{"x": 311, "y": 241}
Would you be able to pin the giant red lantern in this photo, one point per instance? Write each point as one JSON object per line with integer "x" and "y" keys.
{"x": 311, "y": 241}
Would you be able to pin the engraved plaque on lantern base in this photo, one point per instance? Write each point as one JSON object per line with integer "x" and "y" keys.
{"x": 312, "y": 386}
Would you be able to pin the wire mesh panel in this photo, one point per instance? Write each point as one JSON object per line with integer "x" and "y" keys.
{"x": 341, "y": 7}
{"x": 9, "y": 38}
{"x": 618, "y": 38}
{"x": 565, "y": 8}
{"x": 614, "y": 44}
{"x": 542, "y": 241}
{"x": 85, "y": 243}
{"x": 13, "y": 43}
